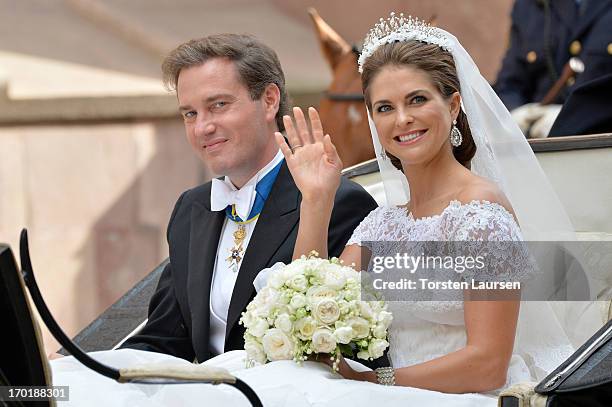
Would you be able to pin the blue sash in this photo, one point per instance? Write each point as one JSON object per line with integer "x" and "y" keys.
{"x": 262, "y": 190}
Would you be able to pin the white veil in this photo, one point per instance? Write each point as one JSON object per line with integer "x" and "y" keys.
{"x": 503, "y": 156}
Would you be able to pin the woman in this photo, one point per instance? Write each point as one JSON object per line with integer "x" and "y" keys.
{"x": 415, "y": 80}
{"x": 412, "y": 91}
{"x": 412, "y": 87}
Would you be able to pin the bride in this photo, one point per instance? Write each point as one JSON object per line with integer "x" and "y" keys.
{"x": 412, "y": 92}
{"x": 453, "y": 164}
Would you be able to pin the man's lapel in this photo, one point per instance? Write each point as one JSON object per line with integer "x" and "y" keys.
{"x": 593, "y": 10}
{"x": 205, "y": 232}
{"x": 277, "y": 219}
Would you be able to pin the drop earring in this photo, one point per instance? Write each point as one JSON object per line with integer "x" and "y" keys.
{"x": 455, "y": 135}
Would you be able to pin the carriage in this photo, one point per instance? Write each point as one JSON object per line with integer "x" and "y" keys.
{"x": 578, "y": 167}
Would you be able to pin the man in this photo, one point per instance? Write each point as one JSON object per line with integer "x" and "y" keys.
{"x": 552, "y": 42}
{"x": 231, "y": 94}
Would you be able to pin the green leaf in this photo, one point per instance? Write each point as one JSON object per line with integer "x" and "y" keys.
{"x": 346, "y": 350}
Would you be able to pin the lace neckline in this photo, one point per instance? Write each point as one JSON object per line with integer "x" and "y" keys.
{"x": 454, "y": 204}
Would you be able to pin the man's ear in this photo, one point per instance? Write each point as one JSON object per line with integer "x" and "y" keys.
{"x": 455, "y": 105}
{"x": 271, "y": 101}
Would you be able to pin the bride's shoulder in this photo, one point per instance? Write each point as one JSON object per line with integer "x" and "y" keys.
{"x": 482, "y": 212}
{"x": 484, "y": 194}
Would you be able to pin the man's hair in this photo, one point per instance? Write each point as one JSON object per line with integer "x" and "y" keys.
{"x": 256, "y": 63}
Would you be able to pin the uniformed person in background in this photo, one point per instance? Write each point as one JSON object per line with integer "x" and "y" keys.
{"x": 555, "y": 46}
{"x": 587, "y": 110}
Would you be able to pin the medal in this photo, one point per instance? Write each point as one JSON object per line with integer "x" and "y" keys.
{"x": 262, "y": 190}
{"x": 237, "y": 251}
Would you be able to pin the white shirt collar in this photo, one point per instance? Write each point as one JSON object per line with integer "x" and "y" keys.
{"x": 224, "y": 193}
{"x": 260, "y": 174}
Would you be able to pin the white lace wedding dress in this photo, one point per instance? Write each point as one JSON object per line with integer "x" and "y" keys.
{"x": 420, "y": 332}
{"x": 425, "y": 330}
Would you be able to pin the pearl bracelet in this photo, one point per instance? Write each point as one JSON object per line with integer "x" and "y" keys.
{"x": 385, "y": 376}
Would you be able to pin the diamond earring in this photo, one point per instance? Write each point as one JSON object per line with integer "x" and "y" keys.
{"x": 383, "y": 155}
{"x": 455, "y": 135}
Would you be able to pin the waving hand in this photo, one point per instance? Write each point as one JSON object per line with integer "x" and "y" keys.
{"x": 313, "y": 160}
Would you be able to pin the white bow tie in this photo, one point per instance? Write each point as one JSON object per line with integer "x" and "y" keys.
{"x": 222, "y": 195}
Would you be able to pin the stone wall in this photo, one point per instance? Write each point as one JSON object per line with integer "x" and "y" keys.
{"x": 96, "y": 198}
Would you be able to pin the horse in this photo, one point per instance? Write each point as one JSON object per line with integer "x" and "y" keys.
{"x": 342, "y": 109}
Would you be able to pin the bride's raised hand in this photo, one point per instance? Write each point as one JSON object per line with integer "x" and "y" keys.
{"x": 313, "y": 160}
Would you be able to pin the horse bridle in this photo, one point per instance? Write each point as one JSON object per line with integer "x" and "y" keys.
{"x": 346, "y": 97}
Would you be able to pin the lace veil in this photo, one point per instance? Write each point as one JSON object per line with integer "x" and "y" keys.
{"x": 503, "y": 156}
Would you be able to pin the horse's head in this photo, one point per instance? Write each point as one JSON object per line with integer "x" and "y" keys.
{"x": 342, "y": 108}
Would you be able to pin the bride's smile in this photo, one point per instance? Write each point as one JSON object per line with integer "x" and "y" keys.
{"x": 409, "y": 138}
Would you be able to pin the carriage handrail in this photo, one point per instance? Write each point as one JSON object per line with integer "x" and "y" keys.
{"x": 579, "y": 142}
{"x": 146, "y": 374}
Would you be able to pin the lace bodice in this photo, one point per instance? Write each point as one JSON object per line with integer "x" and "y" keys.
{"x": 476, "y": 220}
{"x": 386, "y": 230}
{"x": 424, "y": 330}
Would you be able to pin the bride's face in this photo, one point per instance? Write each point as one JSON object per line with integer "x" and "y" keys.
{"x": 412, "y": 118}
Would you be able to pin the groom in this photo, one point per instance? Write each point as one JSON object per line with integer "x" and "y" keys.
{"x": 231, "y": 95}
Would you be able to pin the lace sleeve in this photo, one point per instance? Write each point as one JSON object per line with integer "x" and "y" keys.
{"x": 484, "y": 221}
{"x": 367, "y": 230}
{"x": 488, "y": 230}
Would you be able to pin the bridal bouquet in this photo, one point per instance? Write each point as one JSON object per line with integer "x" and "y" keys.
{"x": 312, "y": 306}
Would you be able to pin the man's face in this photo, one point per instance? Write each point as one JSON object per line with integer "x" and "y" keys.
{"x": 230, "y": 132}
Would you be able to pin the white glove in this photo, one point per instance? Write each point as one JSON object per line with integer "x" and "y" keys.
{"x": 542, "y": 126}
{"x": 527, "y": 114}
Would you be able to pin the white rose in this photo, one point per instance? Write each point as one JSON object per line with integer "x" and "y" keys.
{"x": 364, "y": 354}
{"x": 344, "y": 334}
{"x": 323, "y": 341}
{"x": 361, "y": 327}
{"x": 314, "y": 294}
{"x": 385, "y": 318}
{"x": 298, "y": 282}
{"x": 283, "y": 322}
{"x": 277, "y": 345}
{"x": 296, "y": 266}
{"x": 274, "y": 277}
{"x": 326, "y": 311}
{"x": 276, "y": 281}
{"x": 255, "y": 351}
{"x": 365, "y": 310}
{"x": 266, "y": 299}
{"x": 282, "y": 309}
{"x": 377, "y": 348}
{"x": 379, "y": 331}
{"x": 334, "y": 278}
{"x": 247, "y": 319}
{"x": 259, "y": 327}
{"x": 305, "y": 327}
{"x": 345, "y": 307}
{"x": 297, "y": 301}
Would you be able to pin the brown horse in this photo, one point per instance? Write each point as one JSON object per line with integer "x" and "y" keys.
{"x": 342, "y": 109}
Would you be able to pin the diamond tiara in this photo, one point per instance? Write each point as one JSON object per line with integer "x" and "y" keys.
{"x": 397, "y": 29}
